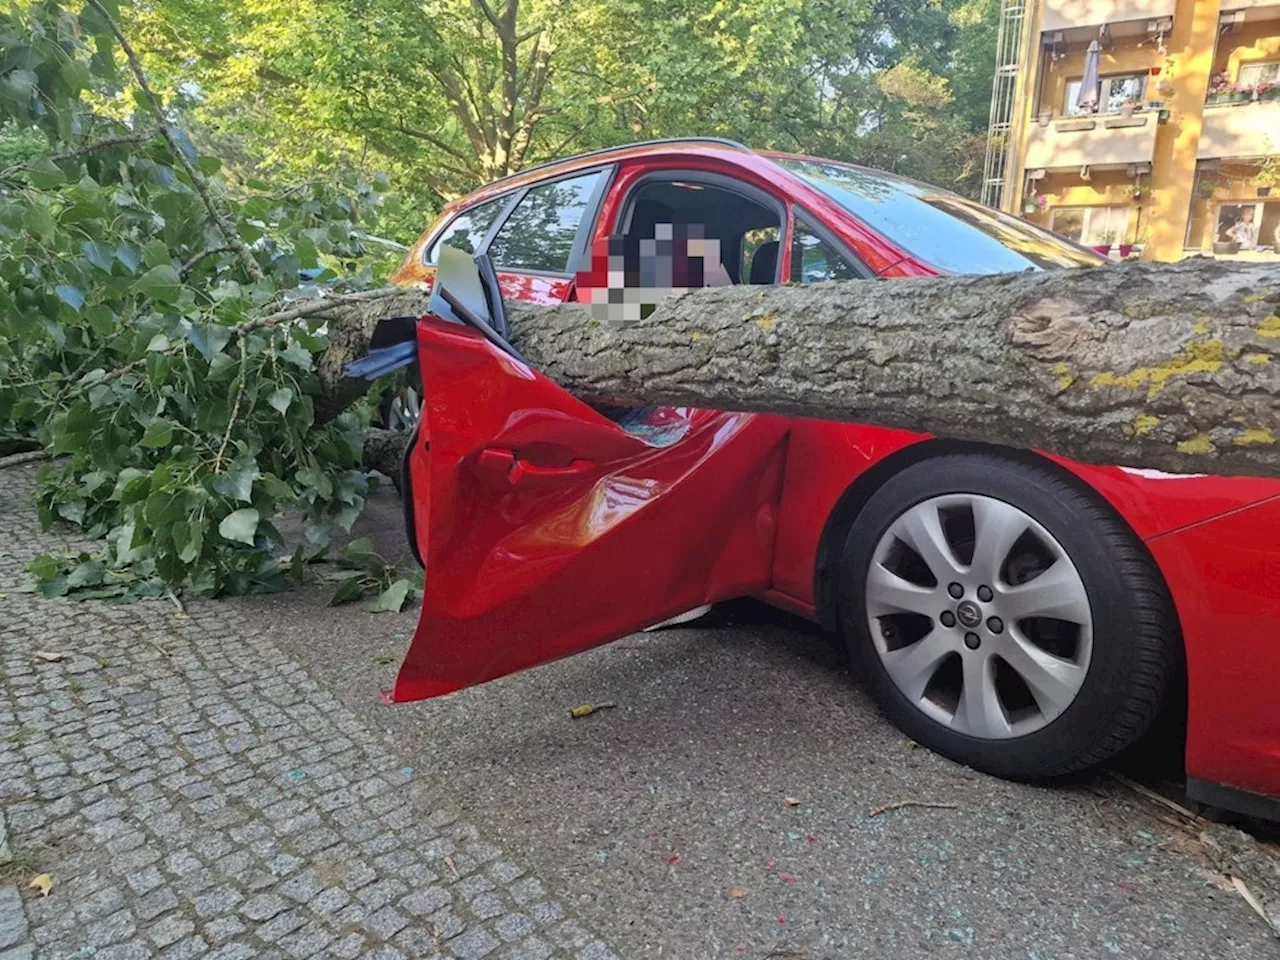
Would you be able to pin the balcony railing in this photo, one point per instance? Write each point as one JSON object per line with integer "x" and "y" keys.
{"x": 1066, "y": 14}
{"x": 1240, "y": 129}
{"x": 1093, "y": 140}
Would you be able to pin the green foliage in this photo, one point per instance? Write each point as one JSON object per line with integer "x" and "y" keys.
{"x": 132, "y": 340}
{"x": 453, "y": 93}
{"x": 361, "y": 571}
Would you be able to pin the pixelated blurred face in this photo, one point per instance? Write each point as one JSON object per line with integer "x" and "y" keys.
{"x": 631, "y": 273}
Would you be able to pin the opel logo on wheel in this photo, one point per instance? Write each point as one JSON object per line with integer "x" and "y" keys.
{"x": 969, "y": 614}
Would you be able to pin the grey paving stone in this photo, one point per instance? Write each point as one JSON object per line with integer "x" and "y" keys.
{"x": 201, "y": 796}
{"x": 422, "y": 902}
{"x": 474, "y": 944}
{"x": 13, "y": 917}
{"x": 513, "y": 926}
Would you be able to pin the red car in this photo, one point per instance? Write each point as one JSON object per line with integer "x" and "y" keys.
{"x": 1023, "y": 614}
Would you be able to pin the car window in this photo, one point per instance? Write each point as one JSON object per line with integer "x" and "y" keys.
{"x": 540, "y": 232}
{"x": 813, "y": 259}
{"x": 941, "y": 228}
{"x": 468, "y": 229}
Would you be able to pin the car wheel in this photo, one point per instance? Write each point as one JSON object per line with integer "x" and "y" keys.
{"x": 400, "y": 410}
{"x": 1005, "y": 618}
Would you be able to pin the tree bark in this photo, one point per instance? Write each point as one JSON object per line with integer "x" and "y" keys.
{"x": 1172, "y": 367}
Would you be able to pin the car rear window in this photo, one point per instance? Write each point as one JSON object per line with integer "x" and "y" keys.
{"x": 468, "y": 229}
{"x": 941, "y": 228}
{"x": 540, "y": 232}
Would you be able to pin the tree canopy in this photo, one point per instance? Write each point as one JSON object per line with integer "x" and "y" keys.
{"x": 448, "y": 95}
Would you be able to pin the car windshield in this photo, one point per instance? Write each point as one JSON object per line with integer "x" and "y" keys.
{"x": 941, "y": 228}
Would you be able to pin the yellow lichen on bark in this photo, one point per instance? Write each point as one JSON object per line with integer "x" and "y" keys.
{"x": 1143, "y": 424}
{"x": 1201, "y": 356}
{"x": 1200, "y": 443}
{"x": 1256, "y": 437}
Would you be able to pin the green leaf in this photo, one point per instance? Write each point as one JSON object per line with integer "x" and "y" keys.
{"x": 281, "y": 398}
{"x": 221, "y": 366}
{"x": 73, "y": 297}
{"x": 130, "y": 256}
{"x": 101, "y": 255}
{"x": 159, "y": 433}
{"x": 209, "y": 165}
{"x": 39, "y": 221}
{"x": 360, "y": 553}
{"x": 276, "y": 488}
{"x": 240, "y": 525}
{"x": 297, "y": 356}
{"x": 237, "y": 482}
{"x": 156, "y": 253}
{"x": 101, "y": 318}
{"x": 160, "y": 283}
{"x": 209, "y": 338}
{"x": 72, "y": 510}
{"x": 348, "y": 591}
{"x": 158, "y": 344}
{"x": 88, "y": 574}
{"x": 128, "y": 482}
{"x": 188, "y": 539}
{"x": 45, "y": 174}
{"x": 392, "y": 599}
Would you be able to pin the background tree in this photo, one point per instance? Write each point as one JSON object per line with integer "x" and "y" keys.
{"x": 448, "y": 95}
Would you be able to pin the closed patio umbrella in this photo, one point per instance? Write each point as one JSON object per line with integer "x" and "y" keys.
{"x": 1087, "y": 98}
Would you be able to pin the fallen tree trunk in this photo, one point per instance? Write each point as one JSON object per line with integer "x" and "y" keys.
{"x": 1172, "y": 367}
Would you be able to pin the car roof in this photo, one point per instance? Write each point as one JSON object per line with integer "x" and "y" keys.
{"x": 722, "y": 149}
{"x": 730, "y": 151}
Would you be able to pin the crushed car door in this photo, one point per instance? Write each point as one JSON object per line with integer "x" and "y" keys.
{"x": 553, "y": 528}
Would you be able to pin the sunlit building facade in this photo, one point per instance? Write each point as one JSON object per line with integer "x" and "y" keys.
{"x": 1166, "y": 145}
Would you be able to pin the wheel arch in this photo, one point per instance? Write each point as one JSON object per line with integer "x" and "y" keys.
{"x": 846, "y": 510}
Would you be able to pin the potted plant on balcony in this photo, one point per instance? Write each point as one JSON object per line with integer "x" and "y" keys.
{"x": 1268, "y": 90}
{"x": 1034, "y": 203}
{"x": 1129, "y": 106}
{"x": 1105, "y": 239}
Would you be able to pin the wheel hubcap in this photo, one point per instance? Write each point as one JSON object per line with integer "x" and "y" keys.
{"x": 979, "y": 616}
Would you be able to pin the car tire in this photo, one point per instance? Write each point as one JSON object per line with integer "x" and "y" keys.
{"x": 1045, "y": 696}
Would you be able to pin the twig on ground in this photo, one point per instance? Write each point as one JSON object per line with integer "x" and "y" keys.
{"x": 877, "y": 811}
{"x": 1154, "y": 797}
{"x": 28, "y": 456}
{"x": 1242, "y": 888}
{"x": 587, "y": 709}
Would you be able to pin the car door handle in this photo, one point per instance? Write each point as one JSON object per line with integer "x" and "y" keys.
{"x": 503, "y": 464}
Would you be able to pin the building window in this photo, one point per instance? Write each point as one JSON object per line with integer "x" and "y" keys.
{"x": 1252, "y": 74}
{"x": 1092, "y": 226}
{"x": 1249, "y": 225}
{"x": 1113, "y": 93}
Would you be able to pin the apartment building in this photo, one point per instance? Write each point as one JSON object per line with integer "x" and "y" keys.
{"x": 1149, "y": 127}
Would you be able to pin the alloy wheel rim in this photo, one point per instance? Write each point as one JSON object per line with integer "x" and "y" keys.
{"x": 979, "y": 616}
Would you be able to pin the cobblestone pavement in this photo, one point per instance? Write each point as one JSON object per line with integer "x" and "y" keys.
{"x": 192, "y": 792}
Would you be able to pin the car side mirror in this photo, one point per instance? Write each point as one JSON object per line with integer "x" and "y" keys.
{"x": 466, "y": 291}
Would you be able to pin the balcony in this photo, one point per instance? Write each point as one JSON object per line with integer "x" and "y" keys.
{"x": 1228, "y": 5}
{"x": 1066, "y": 14}
{"x": 1107, "y": 140}
{"x": 1240, "y": 130}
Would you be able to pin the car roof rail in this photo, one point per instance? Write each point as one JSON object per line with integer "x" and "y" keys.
{"x": 605, "y": 151}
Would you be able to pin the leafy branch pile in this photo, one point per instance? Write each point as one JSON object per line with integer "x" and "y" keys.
{"x": 156, "y": 333}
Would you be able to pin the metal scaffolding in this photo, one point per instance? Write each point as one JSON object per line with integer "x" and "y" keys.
{"x": 1004, "y": 89}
